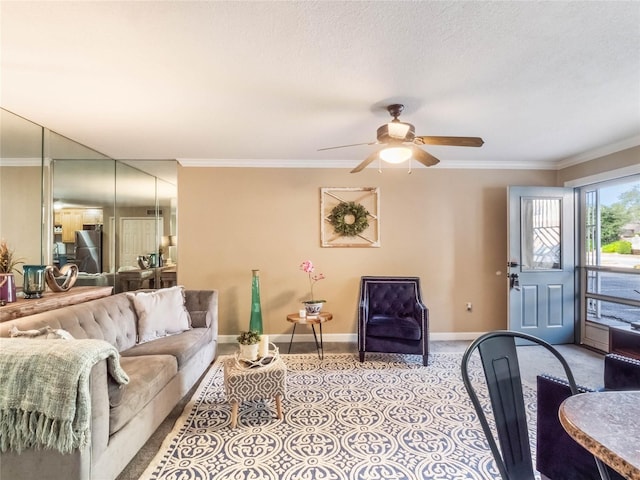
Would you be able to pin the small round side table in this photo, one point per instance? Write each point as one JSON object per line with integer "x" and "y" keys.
{"x": 319, "y": 319}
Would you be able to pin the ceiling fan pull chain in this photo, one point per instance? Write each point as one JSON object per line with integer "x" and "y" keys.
{"x": 409, "y": 172}
{"x": 379, "y": 164}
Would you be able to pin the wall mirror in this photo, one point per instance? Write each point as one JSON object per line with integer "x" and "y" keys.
{"x": 115, "y": 219}
{"x": 21, "y": 179}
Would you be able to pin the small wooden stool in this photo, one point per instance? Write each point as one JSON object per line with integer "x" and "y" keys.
{"x": 241, "y": 384}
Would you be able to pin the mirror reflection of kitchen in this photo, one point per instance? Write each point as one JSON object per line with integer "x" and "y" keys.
{"x": 80, "y": 192}
{"x": 105, "y": 218}
{"x": 83, "y": 190}
{"x": 85, "y": 250}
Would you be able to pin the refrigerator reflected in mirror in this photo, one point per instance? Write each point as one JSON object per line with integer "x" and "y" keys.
{"x": 89, "y": 250}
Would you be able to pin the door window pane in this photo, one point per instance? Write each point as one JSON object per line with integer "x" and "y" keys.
{"x": 541, "y": 241}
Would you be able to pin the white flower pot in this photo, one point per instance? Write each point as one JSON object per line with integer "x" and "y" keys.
{"x": 249, "y": 352}
{"x": 313, "y": 309}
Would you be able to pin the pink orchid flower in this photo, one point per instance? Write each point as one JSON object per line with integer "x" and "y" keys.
{"x": 308, "y": 268}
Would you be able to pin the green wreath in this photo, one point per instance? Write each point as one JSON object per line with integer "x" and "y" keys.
{"x": 343, "y": 209}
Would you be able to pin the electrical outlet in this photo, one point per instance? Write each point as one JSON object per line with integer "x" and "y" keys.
{"x": 469, "y": 306}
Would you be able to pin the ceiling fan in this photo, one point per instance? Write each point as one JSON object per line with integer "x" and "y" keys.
{"x": 400, "y": 140}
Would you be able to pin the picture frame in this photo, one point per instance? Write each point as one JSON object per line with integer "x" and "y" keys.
{"x": 350, "y": 217}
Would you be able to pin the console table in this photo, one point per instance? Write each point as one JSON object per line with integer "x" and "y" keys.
{"x": 168, "y": 277}
{"x": 136, "y": 279}
{"x": 148, "y": 278}
{"x": 51, "y": 301}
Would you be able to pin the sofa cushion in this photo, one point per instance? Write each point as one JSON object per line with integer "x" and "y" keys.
{"x": 183, "y": 347}
{"x": 202, "y": 306}
{"x": 148, "y": 375}
{"x": 110, "y": 318}
{"x": 160, "y": 313}
{"x": 389, "y": 326}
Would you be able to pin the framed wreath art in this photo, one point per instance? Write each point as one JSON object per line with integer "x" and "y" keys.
{"x": 350, "y": 217}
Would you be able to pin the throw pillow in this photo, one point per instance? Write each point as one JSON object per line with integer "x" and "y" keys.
{"x": 160, "y": 313}
{"x": 44, "y": 333}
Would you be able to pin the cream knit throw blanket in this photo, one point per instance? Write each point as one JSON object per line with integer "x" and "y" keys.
{"x": 44, "y": 391}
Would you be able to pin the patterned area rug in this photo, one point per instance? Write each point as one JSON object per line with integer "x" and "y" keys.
{"x": 387, "y": 418}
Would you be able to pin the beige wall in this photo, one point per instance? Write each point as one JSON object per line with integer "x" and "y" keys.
{"x": 446, "y": 226}
{"x": 625, "y": 158}
{"x": 20, "y": 216}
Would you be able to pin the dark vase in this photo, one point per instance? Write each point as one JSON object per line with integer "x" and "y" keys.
{"x": 34, "y": 281}
{"x": 255, "y": 322}
{"x": 7, "y": 288}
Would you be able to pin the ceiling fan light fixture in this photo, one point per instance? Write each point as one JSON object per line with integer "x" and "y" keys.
{"x": 396, "y": 154}
{"x": 398, "y": 130}
{"x": 395, "y": 131}
{"x": 395, "y": 135}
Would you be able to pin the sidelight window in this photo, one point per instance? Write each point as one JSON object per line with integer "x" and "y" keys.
{"x": 611, "y": 251}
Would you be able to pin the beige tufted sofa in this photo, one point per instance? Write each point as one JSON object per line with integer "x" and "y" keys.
{"x": 160, "y": 373}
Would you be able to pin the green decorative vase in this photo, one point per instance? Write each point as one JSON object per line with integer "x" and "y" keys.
{"x": 255, "y": 323}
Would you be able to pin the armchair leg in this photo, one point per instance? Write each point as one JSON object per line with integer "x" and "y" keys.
{"x": 361, "y": 357}
{"x": 425, "y": 360}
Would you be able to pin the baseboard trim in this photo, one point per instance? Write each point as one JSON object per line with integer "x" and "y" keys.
{"x": 353, "y": 337}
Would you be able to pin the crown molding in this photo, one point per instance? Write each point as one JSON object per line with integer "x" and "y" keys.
{"x": 20, "y": 162}
{"x": 495, "y": 165}
{"x": 599, "y": 152}
{"x": 604, "y": 176}
{"x": 349, "y": 164}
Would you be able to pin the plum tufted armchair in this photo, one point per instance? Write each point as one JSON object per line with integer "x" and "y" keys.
{"x": 392, "y": 317}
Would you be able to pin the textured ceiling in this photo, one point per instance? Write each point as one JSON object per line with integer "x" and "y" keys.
{"x": 251, "y": 83}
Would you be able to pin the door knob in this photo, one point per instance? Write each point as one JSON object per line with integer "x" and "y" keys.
{"x": 514, "y": 281}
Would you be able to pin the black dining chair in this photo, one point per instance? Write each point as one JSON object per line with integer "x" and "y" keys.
{"x": 499, "y": 360}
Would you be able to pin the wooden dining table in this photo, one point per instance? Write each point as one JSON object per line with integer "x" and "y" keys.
{"x": 607, "y": 424}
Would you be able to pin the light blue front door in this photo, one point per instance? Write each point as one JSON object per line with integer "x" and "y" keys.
{"x": 541, "y": 263}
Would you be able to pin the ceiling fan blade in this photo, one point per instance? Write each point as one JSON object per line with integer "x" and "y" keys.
{"x": 344, "y": 146}
{"x": 450, "y": 141}
{"x": 424, "y": 158}
{"x": 366, "y": 162}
